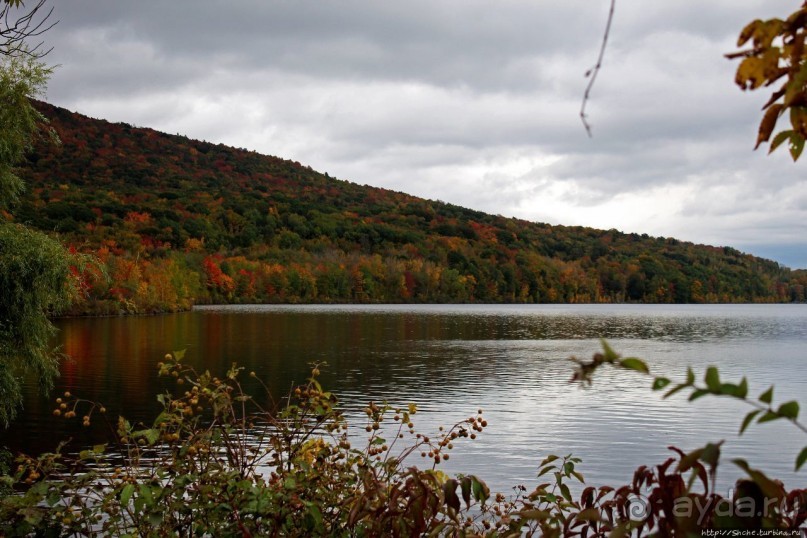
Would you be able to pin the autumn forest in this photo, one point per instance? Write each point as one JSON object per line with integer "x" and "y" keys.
{"x": 174, "y": 222}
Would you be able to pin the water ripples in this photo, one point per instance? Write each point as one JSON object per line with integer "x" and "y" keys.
{"x": 511, "y": 361}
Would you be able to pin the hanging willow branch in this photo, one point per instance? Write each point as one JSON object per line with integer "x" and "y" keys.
{"x": 591, "y": 74}
{"x": 16, "y": 27}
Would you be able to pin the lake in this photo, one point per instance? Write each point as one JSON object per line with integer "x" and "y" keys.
{"x": 511, "y": 361}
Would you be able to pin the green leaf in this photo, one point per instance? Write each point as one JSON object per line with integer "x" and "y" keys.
{"x": 689, "y": 460}
{"x": 768, "y": 417}
{"x": 465, "y": 485}
{"x": 802, "y": 457}
{"x": 742, "y": 464}
{"x": 748, "y": 419}
{"x": 179, "y": 355}
{"x": 711, "y": 453}
{"x": 124, "y": 427}
{"x": 767, "y": 396}
{"x": 564, "y": 490}
{"x": 545, "y": 470}
{"x": 315, "y": 513}
{"x": 697, "y": 394}
{"x": 675, "y": 389}
{"x": 548, "y": 459}
{"x": 151, "y": 435}
{"x": 771, "y": 489}
{"x": 40, "y": 489}
{"x": 146, "y": 494}
{"x": 480, "y": 489}
{"x": 789, "y": 410}
{"x": 660, "y": 382}
{"x": 632, "y": 363}
{"x": 796, "y": 145}
{"x": 712, "y": 379}
{"x": 690, "y": 376}
{"x": 742, "y": 389}
{"x": 53, "y": 498}
{"x": 450, "y": 494}
{"x": 729, "y": 389}
{"x": 538, "y": 515}
{"x": 608, "y": 352}
{"x": 126, "y": 494}
{"x": 778, "y": 139}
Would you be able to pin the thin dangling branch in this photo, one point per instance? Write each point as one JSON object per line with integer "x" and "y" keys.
{"x": 591, "y": 74}
{"x": 16, "y": 27}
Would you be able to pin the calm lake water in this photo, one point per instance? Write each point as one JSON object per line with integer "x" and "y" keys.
{"x": 511, "y": 361}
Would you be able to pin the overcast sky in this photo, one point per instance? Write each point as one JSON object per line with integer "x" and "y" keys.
{"x": 473, "y": 102}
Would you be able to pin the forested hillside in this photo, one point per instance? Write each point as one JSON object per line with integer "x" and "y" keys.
{"x": 176, "y": 222}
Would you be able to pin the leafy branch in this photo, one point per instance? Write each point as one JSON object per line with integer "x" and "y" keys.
{"x": 764, "y": 409}
{"x": 777, "y": 53}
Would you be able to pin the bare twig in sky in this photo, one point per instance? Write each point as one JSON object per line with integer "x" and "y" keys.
{"x": 16, "y": 27}
{"x": 591, "y": 74}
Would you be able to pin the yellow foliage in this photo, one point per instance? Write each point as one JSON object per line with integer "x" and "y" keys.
{"x": 777, "y": 52}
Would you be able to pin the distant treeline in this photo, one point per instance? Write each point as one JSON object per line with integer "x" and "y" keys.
{"x": 176, "y": 222}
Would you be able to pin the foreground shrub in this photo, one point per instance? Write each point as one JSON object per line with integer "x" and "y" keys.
{"x": 217, "y": 462}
